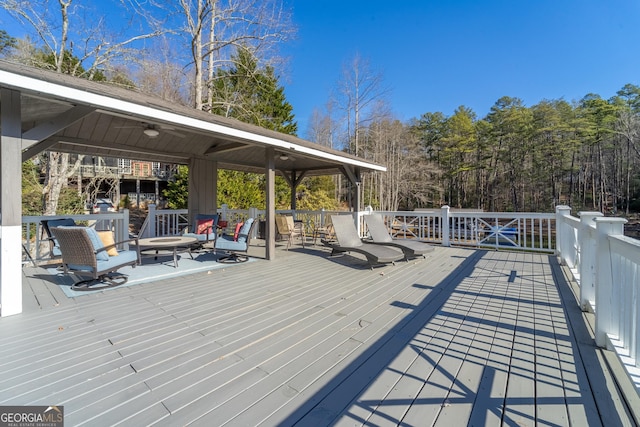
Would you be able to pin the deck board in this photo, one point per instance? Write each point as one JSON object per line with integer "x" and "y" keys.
{"x": 462, "y": 337}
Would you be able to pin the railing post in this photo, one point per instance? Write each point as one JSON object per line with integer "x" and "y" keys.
{"x": 253, "y": 213}
{"x": 151, "y": 229}
{"x": 587, "y": 260}
{"x": 444, "y": 226}
{"x": 561, "y": 211}
{"x": 223, "y": 212}
{"x": 604, "y": 286}
{"x": 124, "y": 227}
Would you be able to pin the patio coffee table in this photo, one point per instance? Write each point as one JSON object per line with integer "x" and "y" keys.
{"x": 168, "y": 243}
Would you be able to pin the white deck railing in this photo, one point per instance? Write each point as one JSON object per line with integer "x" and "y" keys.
{"x": 603, "y": 262}
{"x": 606, "y": 266}
{"x": 517, "y": 231}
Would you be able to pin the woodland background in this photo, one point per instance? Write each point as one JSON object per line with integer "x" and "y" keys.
{"x": 223, "y": 57}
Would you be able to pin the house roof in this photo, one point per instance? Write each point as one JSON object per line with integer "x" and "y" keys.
{"x": 70, "y": 114}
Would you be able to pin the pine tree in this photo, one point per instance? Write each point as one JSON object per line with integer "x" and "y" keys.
{"x": 252, "y": 95}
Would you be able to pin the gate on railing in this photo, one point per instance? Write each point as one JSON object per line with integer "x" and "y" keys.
{"x": 517, "y": 231}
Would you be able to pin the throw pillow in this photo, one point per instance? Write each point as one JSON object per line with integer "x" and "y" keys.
{"x": 107, "y": 239}
{"x": 204, "y": 226}
{"x": 97, "y": 244}
{"x": 235, "y": 234}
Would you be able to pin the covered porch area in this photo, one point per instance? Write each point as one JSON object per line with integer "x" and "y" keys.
{"x": 464, "y": 337}
{"x": 41, "y": 110}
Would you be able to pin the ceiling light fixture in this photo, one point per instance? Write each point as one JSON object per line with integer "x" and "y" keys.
{"x": 151, "y": 133}
{"x": 284, "y": 157}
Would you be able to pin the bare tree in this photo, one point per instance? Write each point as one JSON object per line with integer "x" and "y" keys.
{"x": 357, "y": 93}
{"x": 322, "y": 128}
{"x": 74, "y": 40}
{"x": 159, "y": 73}
{"x": 71, "y": 30}
{"x": 216, "y": 29}
{"x": 628, "y": 127}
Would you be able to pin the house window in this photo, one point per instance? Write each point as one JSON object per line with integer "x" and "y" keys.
{"x": 124, "y": 165}
{"x": 141, "y": 169}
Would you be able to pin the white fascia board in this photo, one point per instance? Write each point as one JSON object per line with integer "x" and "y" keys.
{"x": 29, "y": 84}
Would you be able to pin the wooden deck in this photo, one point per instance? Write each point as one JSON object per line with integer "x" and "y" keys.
{"x": 464, "y": 337}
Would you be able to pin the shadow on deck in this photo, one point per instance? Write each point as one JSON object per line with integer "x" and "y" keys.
{"x": 464, "y": 337}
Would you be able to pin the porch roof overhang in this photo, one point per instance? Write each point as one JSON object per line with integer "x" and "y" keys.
{"x": 69, "y": 114}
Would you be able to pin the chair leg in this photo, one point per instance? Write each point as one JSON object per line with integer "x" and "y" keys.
{"x": 233, "y": 258}
{"x": 103, "y": 282}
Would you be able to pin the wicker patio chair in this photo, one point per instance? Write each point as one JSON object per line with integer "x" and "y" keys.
{"x": 84, "y": 254}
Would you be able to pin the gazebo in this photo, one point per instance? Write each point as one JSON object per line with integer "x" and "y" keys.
{"x": 42, "y": 110}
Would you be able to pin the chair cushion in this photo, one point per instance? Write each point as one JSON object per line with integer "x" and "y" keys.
{"x": 201, "y": 237}
{"x": 204, "y": 226}
{"x": 242, "y": 235}
{"x": 237, "y": 232}
{"x": 112, "y": 263}
{"x": 106, "y": 237}
{"x": 205, "y": 217}
{"x": 123, "y": 257}
{"x": 97, "y": 244}
{"x": 226, "y": 243}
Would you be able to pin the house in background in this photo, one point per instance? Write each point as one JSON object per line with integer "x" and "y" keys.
{"x": 141, "y": 181}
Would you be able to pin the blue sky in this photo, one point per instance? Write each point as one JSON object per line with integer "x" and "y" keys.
{"x": 438, "y": 55}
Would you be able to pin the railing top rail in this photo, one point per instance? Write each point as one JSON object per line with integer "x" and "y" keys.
{"x": 572, "y": 220}
{"x": 171, "y": 211}
{"x": 467, "y": 214}
{"x": 626, "y": 247}
{"x": 509, "y": 215}
{"x": 82, "y": 217}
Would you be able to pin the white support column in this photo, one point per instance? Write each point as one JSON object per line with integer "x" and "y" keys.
{"x": 10, "y": 204}
{"x": 604, "y": 286}
{"x": 270, "y": 228}
{"x": 560, "y": 241}
{"x": 444, "y": 226}
{"x": 123, "y": 229}
{"x": 150, "y": 231}
{"x": 587, "y": 261}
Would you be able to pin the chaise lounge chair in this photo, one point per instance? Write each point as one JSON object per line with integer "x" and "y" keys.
{"x": 347, "y": 240}
{"x": 380, "y": 235}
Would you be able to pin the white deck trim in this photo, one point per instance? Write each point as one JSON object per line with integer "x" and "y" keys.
{"x": 40, "y": 87}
